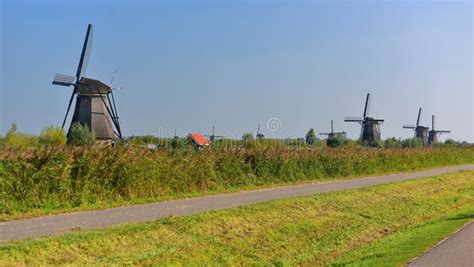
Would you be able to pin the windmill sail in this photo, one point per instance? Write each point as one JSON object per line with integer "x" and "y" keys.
{"x": 85, "y": 54}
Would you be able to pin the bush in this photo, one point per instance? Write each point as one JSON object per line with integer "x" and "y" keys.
{"x": 311, "y": 137}
{"x": 81, "y": 135}
{"x": 17, "y": 139}
{"x": 335, "y": 141}
{"x": 412, "y": 143}
{"x": 451, "y": 142}
{"x": 392, "y": 143}
{"x": 52, "y": 136}
{"x": 247, "y": 137}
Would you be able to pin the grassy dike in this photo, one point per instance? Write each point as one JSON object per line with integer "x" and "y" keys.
{"x": 39, "y": 181}
{"x": 380, "y": 225}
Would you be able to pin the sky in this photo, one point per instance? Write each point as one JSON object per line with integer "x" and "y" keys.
{"x": 287, "y": 65}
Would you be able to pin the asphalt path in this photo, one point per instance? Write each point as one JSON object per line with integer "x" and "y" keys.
{"x": 457, "y": 250}
{"x": 63, "y": 223}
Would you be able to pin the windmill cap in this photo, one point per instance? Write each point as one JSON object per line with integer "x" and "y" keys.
{"x": 91, "y": 86}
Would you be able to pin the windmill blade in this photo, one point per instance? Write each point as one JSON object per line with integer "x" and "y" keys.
{"x": 324, "y": 134}
{"x": 118, "y": 88}
{"x": 443, "y": 131}
{"x": 379, "y": 120}
{"x": 113, "y": 77}
{"x": 419, "y": 117}
{"x": 68, "y": 107}
{"x": 340, "y": 133}
{"x": 353, "y": 119}
{"x": 432, "y": 122}
{"x": 367, "y": 105}
{"x": 332, "y": 126}
{"x": 406, "y": 126}
{"x": 63, "y": 80}
{"x": 85, "y": 54}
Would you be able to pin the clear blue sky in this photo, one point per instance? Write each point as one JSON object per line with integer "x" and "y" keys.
{"x": 233, "y": 64}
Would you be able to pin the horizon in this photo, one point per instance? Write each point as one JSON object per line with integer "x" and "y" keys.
{"x": 287, "y": 66}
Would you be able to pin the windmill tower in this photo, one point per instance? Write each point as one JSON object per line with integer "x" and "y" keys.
{"x": 95, "y": 105}
{"x": 370, "y": 131}
{"x": 421, "y": 132}
{"x": 433, "y": 136}
{"x": 332, "y": 133}
{"x": 213, "y": 137}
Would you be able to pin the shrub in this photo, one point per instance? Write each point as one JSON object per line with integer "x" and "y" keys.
{"x": 311, "y": 137}
{"x": 80, "y": 135}
{"x": 412, "y": 143}
{"x": 335, "y": 141}
{"x": 17, "y": 139}
{"x": 392, "y": 143}
{"x": 451, "y": 142}
{"x": 52, "y": 136}
{"x": 246, "y": 137}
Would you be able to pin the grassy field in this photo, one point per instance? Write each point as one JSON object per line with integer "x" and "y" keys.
{"x": 51, "y": 180}
{"x": 381, "y": 225}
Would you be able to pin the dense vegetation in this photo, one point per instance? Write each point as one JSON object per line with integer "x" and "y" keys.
{"x": 65, "y": 177}
{"x": 376, "y": 226}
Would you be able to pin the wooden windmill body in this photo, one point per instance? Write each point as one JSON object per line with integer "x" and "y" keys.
{"x": 421, "y": 132}
{"x": 433, "y": 135}
{"x": 370, "y": 127}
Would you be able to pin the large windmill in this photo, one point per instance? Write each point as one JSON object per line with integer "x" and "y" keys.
{"x": 421, "y": 132}
{"x": 332, "y": 133}
{"x": 94, "y": 107}
{"x": 370, "y": 131}
{"x": 433, "y": 136}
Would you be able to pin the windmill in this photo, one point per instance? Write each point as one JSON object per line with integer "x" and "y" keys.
{"x": 370, "y": 131}
{"x": 175, "y": 136}
{"x": 332, "y": 133}
{"x": 259, "y": 135}
{"x": 433, "y": 136}
{"x": 213, "y": 137}
{"x": 421, "y": 132}
{"x": 94, "y": 106}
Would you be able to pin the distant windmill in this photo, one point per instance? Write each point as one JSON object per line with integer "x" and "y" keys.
{"x": 175, "y": 136}
{"x": 94, "y": 107}
{"x": 213, "y": 137}
{"x": 259, "y": 135}
{"x": 421, "y": 132}
{"x": 433, "y": 136}
{"x": 370, "y": 131}
{"x": 332, "y": 133}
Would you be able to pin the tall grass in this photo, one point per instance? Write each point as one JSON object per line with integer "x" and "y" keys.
{"x": 65, "y": 177}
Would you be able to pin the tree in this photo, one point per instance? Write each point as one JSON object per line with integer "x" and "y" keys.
{"x": 52, "y": 136}
{"x": 80, "y": 135}
{"x": 311, "y": 137}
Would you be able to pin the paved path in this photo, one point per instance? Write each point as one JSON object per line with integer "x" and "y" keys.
{"x": 458, "y": 250}
{"x": 58, "y": 224}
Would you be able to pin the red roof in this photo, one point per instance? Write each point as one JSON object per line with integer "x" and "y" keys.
{"x": 199, "y": 139}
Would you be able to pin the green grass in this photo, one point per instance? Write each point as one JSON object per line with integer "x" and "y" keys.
{"x": 386, "y": 225}
{"x": 52, "y": 180}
